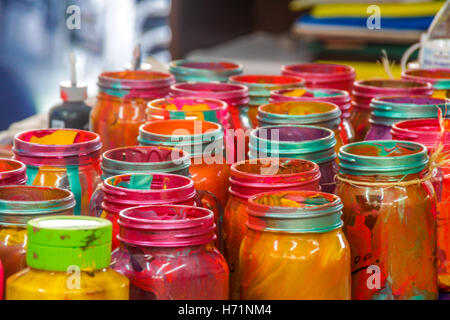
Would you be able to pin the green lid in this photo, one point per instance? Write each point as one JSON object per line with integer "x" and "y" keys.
{"x": 55, "y": 243}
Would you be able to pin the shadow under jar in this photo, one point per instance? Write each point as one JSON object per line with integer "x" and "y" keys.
{"x": 18, "y": 205}
{"x": 167, "y": 253}
{"x": 389, "y": 219}
{"x": 139, "y": 159}
{"x": 203, "y": 70}
{"x": 63, "y": 158}
{"x": 121, "y": 103}
{"x": 365, "y": 90}
{"x": 255, "y": 176}
{"x": 311, "y": 143}
{"x": 295, "y": 248}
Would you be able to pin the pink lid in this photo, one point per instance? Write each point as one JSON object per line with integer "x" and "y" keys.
{"x": 166, "y": 226}
{"x": 320, "y": 72}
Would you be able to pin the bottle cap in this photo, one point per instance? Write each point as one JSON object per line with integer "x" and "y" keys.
{"x": 73, "y": 93}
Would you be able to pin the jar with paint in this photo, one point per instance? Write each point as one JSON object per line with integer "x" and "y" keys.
{"x": 18, "y": 205}
{"x": 315, "y": 113}
{"x": 365, "y": 90}
{"x": 138, "y": 189}
{"x": 259, "y": 88}
{"x": 251, "y": 177}
{"x": 1, "y": 280}
{"x": 429, "y": 133}
{"x": 323, "y": 75}
{"x": 203, "y": 70}
{"x": 12, "y": 172}
{"x": 389, "y": 219}
{"x": 341, "y": 98}
{"x": 167, "y": 253}
{"x": 139, "y": 159}
{"x": 121, "y": 104}
{"x": 203, "y": 140}
{"x": 295, "y": 248}
{"x": 68, "y": 259}
{"x": 385, "y": 111}
{"x": 63, "y": 158}
{"x": 311, "y": 143}
{"x": 439, "y": 79}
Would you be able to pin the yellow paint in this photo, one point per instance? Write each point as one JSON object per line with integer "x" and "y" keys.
{"x": 59, "y": 137}
{"x": 295, "y": 93}
{"x": 369, "y": 70}
{"x": 188, "y": 107}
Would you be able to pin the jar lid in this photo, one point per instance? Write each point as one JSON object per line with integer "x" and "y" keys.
{"x": 300, "y": 112}
{"x": 387, "y": 110}
{"x": 223, "y": 91}
{"x": 73, "y": 93}
{"x": 57, "y": 243}
{"x": 144, "y": 159}
{"x": 382, "y": 157}
{"x": 12, "y": 172}
{"x": 311, "y": 143}
{"x": 320, "y": 72}
{"x": 203, "y": 70}
{"x": 261, "y": 85}
{"x": 295, "y": 212}
{"x": 439, "y": 78}
{"x": 166, "y": 226}
{"x": 19, "y": 204}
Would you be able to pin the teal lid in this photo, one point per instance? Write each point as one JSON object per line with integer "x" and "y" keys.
{"x": 295, "y": 212}
{"x": 382, "y": 157}
{"x": 311, "y": 143}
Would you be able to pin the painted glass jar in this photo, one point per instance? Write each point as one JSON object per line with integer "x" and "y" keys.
{"x": 365, "y": 90}
{"x": 323, "y": 75}
{"x": 295, "y": 248}
{"x": 311, "y": 143}
{"x": 259, "y": 87}
{"x": 203, "y": 140}
{"x": 63, "y": 158}
{"x": 385, "y": 111}
{"x": 121, "y": 104}
{"x": 12, "y": 172}
{"x": 139, "y": 159}
{"x": 315, "y": 113}
{"x": 389, "y": 219}
{"x": 1, "y": 280}
{"x": 18, "y": 205}
{"x": 439, "y": 79}
{"x": 131, "y": 190}
{"x": 428, "y": 132}
{"x": 251, "y": 177}
{"x": 341, "y": 98}
{"x": 202, "y": 70}
{"x": 60, "y": 248}
{"x": 167, "y": 252}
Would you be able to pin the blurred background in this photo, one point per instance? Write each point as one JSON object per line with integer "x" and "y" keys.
{"x": 260, "y": 34}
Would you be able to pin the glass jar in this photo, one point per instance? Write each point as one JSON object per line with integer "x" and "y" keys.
{"x": 311, "y": 143}
{"x": 315, "y": 113}
{"x": 63, "y": 158}
{"x": 130, "y": 190}
{"x": 389, "y": 219}
{"x": 121, "y": 104}
{"x": 1, "y": 280}
{"x": 251, "y": 177}
{"x": 203, "y": 140}
{"x": 203, "y": 70}
{"x": 12, "y": 172}
{"x": 68, "y": 259}
{"x": 18, "y": 205}
{"x": 365, "y": 90}
{"x": 167, "y": 253}
{"x": 385, "y": 111}
{"x": 139, "y": 159}
{"x": 295, "y": 248}
{"x": 439, "y": 79}
{"x": 340, "y": 98}
{"x": 429, "y": 133}
{"x": 323, "y": 75}
{"x": 259, "y": 87}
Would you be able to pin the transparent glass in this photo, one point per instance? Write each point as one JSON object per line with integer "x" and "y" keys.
{"x": 360, "y": 122}
{"x": 13, "y": 245}
{"x": 295, "y": 266}
{"x": 32, "y": 284}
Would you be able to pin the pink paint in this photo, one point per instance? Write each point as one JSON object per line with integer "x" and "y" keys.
{"x": 323, "y": 75}
{"x": 12, "y": 172}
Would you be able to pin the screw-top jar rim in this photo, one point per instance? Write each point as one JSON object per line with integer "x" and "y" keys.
{"x": 135, "y": 79}
{"x": 320, "y": 72}
{"x": 166, "y": 226}
{"x": 12, "y": 172}
{"x": 294, "y": 212}
{"x": 439, "y": 78}
{"x": 213, "y": 69}
{"x": 261, "y": 85}
{"x": 221, "y": 91}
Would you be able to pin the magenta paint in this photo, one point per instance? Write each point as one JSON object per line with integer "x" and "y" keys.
{"x": 12, "y": 172}
{"x": 323, "y": 75}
